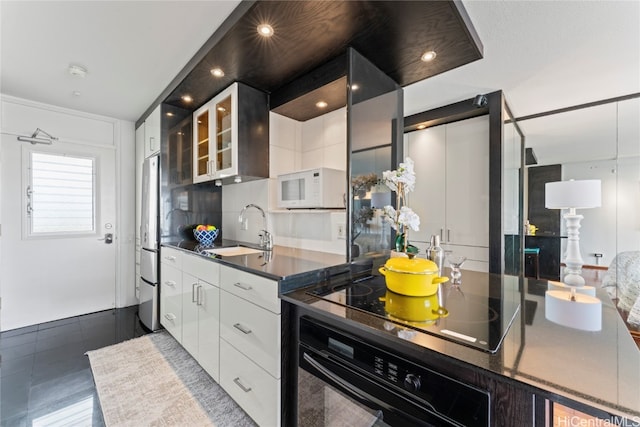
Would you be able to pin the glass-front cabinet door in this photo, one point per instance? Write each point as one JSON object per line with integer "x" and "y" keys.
{"x": 215, "y": 137}
{"x": 201, "y": 146}
{"x": 226, "y": 136}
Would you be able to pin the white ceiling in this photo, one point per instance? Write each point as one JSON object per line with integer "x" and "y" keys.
{"x": 131, "y": 49}
{"x": 543, "y": 54}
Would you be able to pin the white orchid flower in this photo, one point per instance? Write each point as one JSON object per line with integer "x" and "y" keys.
{"x": 409, "y": 218}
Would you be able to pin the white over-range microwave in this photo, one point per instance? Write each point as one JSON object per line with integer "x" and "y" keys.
{"x": 312, "y": 189}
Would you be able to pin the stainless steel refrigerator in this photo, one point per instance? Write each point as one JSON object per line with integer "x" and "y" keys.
{"x": 149, "y": 273}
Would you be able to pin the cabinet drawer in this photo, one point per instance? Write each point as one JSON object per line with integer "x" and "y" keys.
{"x": 252, "y": 330}
{"x": 256, "y": 289}
{"x": 170, "y": 280}
{"x": 201, "y": 268}
{"x": 257, "y": 392}
{"x": 171, "y": 256}
{"x": 170, "y": 317}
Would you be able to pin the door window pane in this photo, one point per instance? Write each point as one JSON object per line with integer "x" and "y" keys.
{"x": 61, "y": 197}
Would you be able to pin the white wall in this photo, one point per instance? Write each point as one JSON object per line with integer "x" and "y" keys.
{"x": 30, "y": 278}
{"x": 293, "y": 145}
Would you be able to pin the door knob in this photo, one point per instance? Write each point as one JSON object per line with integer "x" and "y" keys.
{"x": 108, "y": 238}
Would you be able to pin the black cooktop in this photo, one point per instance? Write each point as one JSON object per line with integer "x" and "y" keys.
{"x": 478, "y": 312}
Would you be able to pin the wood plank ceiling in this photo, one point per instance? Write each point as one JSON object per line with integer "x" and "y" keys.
{"x": 391, "y": 34}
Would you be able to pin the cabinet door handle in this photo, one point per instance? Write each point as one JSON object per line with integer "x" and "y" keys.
{"x": 448, "y": 235}
{"x": 242, "y": 329}
{"x": 170, "y": 283}
{"x": 242, "y": 386}
{"x": 170, "y": 258}
{"x": 170, "y": 316}
{"x": 199, "y": 295}
{"x": 242, "y": 286}
{"x": 442, "y": 235}
{"x": 193, "y": 292}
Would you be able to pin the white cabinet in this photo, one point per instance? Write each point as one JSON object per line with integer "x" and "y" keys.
{"x": 201, "y": 312}
{"x": 171, "y": 291}
{"x": 250, "y": 344}
{"x": 171, "y": 300}
{"x": 190, "y": 305}
{"x": 451, "y": 194}
{"x": 231, "y": 135}
{"x": 152, "y": 131}
{"x": 257, "y": 392}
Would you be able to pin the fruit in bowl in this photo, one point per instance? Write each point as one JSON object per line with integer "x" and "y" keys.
{"x": 206, "y": 234}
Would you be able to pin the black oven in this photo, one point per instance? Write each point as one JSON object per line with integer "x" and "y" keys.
{"x": 345, "y": 380}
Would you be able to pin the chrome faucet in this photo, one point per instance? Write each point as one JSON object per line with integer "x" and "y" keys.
{"x": 266, "y": 240}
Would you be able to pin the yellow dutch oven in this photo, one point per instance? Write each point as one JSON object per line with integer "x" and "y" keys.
{"x": 416, "y": 277}
{"x": 412, "y": 309}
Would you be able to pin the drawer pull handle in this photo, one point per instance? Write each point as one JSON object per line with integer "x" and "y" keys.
{"x": 242, "y": 386}
{"x": 170, "y": 283}
{"x": 242, "y": 329}
{"x": 242, "y": 286}
{"x": 170, "y": 316}
{"x": 170, "y": 258}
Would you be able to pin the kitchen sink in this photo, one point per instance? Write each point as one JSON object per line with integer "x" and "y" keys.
{"x": 233, "y": 251}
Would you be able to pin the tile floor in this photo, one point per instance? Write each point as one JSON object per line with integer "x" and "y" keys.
{"x": 45, "y": 378}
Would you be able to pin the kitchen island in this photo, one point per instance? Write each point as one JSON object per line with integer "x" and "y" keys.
{"x": 537, "y": 363}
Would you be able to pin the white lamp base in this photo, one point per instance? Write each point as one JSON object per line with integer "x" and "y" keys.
{"x": 559, "y": 286}
{"x": 584, "y": 313}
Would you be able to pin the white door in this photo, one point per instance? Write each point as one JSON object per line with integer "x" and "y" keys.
{"x": 56, "y": 261}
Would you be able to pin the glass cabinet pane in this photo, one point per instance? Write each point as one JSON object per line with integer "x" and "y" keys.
{"x": 224, "y": 133}
{"x": 202, "y": 139}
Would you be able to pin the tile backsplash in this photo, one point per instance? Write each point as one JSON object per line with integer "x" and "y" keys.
{"x": 293, "y": 146}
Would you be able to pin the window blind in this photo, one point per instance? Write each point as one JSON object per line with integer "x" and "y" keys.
{"x": 62, "y": 193}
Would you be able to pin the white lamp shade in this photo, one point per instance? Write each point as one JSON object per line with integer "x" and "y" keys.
{"x": 573, "y": 194}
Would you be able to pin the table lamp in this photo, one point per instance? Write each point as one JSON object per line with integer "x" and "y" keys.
{"x": 573, "y": 195}
{"x": 568, "y": 309}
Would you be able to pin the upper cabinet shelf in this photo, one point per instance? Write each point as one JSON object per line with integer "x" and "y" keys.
{"x": 231, "y": 136}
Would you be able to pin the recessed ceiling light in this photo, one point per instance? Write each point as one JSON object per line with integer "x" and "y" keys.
{"x": 222, "y": 109}
{"x": 321, "y": 104}
{"x": 169, "y": 114}
{"x": 265, "y": 30}
{"x": 187, "y": 98}
{"x": 355, "y": 86}
{"x": 421, "y": 126}
{"x": 428, "y": 56}
{"x": 217, "y": 72}
{"x": 237, "y": 179}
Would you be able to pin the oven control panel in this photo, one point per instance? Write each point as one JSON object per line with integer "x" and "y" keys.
{"x": 465, "y": 404}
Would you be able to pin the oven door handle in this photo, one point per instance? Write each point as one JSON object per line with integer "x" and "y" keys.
{"x": 361, "y": 394}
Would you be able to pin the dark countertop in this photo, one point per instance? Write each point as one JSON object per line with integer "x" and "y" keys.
{"x": 292, "y": 267}
{"x": 598, "y": 369}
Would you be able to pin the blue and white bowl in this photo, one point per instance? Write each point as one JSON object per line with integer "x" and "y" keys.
{"x": 206, "y": 237}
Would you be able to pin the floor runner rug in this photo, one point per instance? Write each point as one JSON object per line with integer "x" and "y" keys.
{"x": 153, "y": 381}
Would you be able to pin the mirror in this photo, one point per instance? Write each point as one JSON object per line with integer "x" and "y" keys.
{"x": 596, "y": 142}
